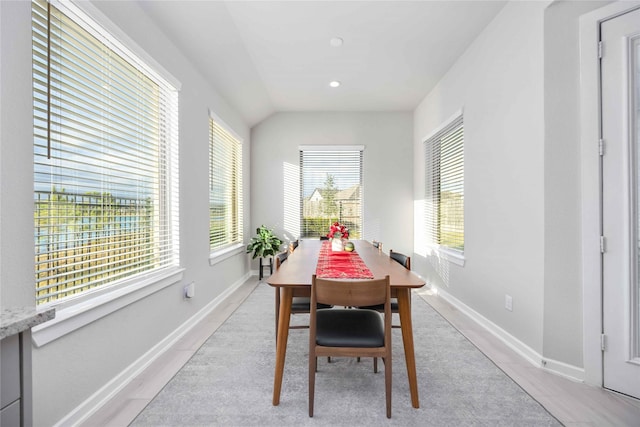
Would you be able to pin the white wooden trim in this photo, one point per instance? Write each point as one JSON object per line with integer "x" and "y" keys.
{"x": 591, "y": 198}
{"x": 93, "y": 305}
{"x": 571, "y": 372}
{"x": 221, "y": 255}
{"x": 216, "y": 118}
{"x": 444, "y": 124}
{"x": 83, "y": 9}
{"x": 87, "y": 408}
{"x": 331, "y": 148}
{"x": 444, "y": 253}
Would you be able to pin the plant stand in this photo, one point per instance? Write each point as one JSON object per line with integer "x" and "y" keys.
{"x": 270, "y": 265}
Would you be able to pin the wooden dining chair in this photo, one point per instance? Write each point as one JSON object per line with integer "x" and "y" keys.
{"x": 405, "y": 261}
{"x": 293, "y": 245}
{"x": 346, "y": 332}
{"x": 402, "y": 259}
{"x": 299, "y": 305}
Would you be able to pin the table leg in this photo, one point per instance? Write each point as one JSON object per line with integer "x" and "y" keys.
{"x": 281, "y": 341}
{"x": 404, "y": 309}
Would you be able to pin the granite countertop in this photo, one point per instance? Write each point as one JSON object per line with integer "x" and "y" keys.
{"x": 15, "y": 320}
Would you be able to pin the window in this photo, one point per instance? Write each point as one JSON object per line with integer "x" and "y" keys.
{"x": 444, "y": 198}
{"x": 225, "y": 188}
{"x": 331, "y": 189}
{"x": 105, "y": 159}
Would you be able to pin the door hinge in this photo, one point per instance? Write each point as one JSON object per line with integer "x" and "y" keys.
{"x": 603, "y": 342}
{"x": 601, "y": 146}
{"x": 600, "y": 49}
{"x": 602, "y": 244}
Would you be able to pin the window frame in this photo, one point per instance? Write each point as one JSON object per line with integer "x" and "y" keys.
{"x": 453, "y": 255}
{"x": 75, "y": 312}
{"x": 333, "y": 148}
{"x": 232, "y": 248}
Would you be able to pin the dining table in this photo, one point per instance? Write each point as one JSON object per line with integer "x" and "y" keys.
{"x": 293, "y": 278}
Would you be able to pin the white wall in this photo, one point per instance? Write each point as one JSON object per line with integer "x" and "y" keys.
{"x": 498, "y": 82}
{"x": 563, "y": 279}
{"x": 519, "y": 87}
{"x": 72, "y": 368}
{"x": 16, "y": 167}
{"x": 386, "y": 170}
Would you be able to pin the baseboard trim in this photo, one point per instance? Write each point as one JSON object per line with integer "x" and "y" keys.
{"x": 90, "y": 406}
{"x": 562, "y": 369}
{"x": 565, "y": 370}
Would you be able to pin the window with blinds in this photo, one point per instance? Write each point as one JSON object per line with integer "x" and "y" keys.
{"x": 225, "y": 187}
{"x": 331, "y": 189}
{"x": 444, "y": 198}
{"x": 105, "y": 159}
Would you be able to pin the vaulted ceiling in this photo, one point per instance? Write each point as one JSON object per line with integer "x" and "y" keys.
{"x": 271, "y": 56}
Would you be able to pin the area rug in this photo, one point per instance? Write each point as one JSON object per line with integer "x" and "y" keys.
{"x": 229, "y": 380}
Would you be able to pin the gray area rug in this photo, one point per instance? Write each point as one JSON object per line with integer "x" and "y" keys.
{"x": 229, "y": 380}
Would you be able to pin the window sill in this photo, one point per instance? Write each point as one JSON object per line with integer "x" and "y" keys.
{"x": 454, "y": 257}
{"x": 79, "y": 313}
{"x": 222, "y": 254}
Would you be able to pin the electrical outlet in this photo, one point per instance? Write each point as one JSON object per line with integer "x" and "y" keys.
{"x": 508, "y": 302}
{"x": 190, "y": 290}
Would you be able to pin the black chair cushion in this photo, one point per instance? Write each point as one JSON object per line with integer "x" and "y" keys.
{"x": 349, "y": 328}
{"x": 303, "y": 305}
{"x": 394, "y": 306}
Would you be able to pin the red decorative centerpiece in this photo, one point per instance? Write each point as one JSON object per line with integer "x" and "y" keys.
{"x": 338, "y": 233}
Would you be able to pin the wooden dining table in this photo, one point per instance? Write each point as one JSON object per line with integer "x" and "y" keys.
{"x": 293, "y": 278}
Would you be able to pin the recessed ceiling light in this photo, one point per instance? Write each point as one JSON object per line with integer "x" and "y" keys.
{"x": 334, "y": 83}
{"x": 336, "y": 42}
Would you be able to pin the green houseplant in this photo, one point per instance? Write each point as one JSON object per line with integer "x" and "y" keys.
{"x": 265, "y": 244}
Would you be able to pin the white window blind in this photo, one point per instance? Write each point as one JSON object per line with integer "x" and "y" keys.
{"x": 331, "y": 189}
{"x": 225, "y": 187}
{"x": 444, "y": 198}
{"x": 105, "y": 159}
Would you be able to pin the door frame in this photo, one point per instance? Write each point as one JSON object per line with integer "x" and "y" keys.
{"x": 591, "y": 201}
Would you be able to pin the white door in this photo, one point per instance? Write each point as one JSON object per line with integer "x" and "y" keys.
{"x": 620, "y": 64}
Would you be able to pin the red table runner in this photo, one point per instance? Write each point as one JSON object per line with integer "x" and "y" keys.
{"x": 340, "y": 264}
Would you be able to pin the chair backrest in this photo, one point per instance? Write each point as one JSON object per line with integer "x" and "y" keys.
{"x": 280, "y": 258}
{"x": 376, "y": 244}
{"x": 324, "y": 238}
{"x": 294, "y": 245}
{"x": 404, "y": 260}
{"x": 350, "y": 293}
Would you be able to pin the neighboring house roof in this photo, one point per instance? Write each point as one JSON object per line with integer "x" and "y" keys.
{"x": 351, "y": 193}
{"x": 317, "y": 194}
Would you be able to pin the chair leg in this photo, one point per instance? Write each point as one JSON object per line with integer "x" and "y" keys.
{"x": 375, "y": 365}
{"x": 387, "y": 382}
{"x": 313, "y": 365}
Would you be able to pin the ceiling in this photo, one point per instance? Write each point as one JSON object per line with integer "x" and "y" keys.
{"x": 272, "y": 56}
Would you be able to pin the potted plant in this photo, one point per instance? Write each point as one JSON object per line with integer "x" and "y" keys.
{"x": 264, "y": 245}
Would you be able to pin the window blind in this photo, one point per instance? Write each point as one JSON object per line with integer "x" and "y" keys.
{"x": 331, "y": 189}
{"x": 444, "y": 189}
{"x": 225, "y": 187}
{"x": 105, "y": 159}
